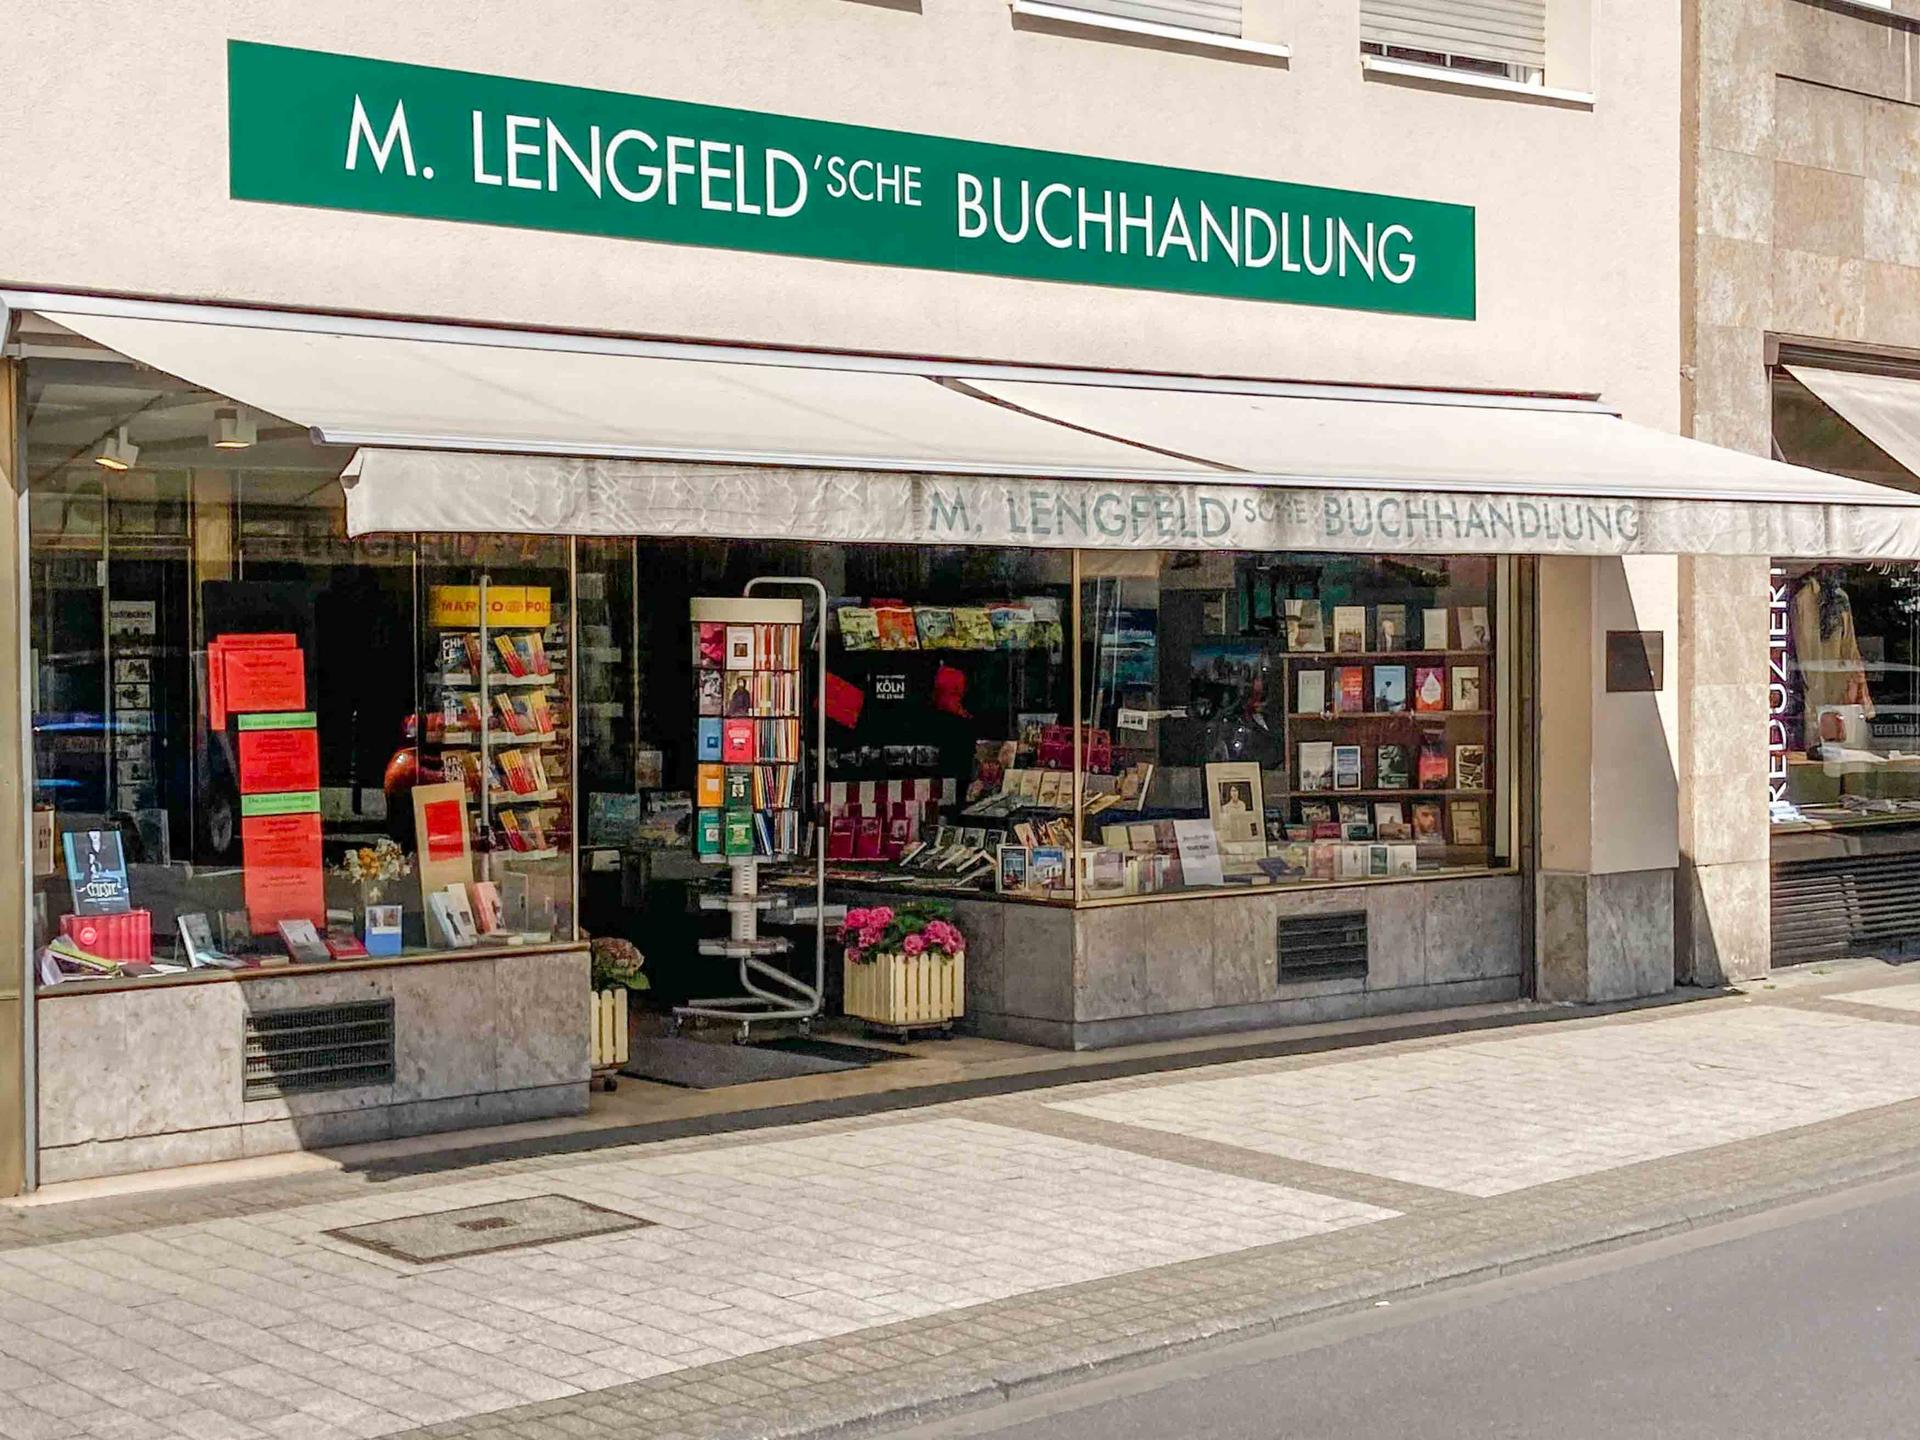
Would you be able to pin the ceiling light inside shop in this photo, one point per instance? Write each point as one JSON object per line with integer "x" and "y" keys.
{"x": 116, "y": 452}
{"x": 232, "y": 430}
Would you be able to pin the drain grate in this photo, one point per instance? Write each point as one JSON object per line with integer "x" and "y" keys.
{"x": 484, "y": 1229}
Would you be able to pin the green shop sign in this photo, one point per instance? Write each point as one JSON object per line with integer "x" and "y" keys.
{"x": 346, "y": 133}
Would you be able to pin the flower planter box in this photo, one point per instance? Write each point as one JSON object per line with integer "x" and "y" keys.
{"x": 906, "y": 991}
{"x": 607, "y": 1022}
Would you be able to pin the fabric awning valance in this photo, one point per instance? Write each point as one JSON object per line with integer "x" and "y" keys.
{"x": 487, "y": 431}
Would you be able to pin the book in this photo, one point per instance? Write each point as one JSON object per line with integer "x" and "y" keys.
{"x": 1390, "y": 627}
{"x": 737, "y": 787}
{"x": 707, "y": 692}
{"x": 1390, "y": 770}
{"x": 382, "y": 935}
{"x": 1390, "y": 688}
{"x": 1315, "y": 770}
{"x": 196, "y": 941}
{"x": 738, "y": 832}
{"x": 739, "y": 647}
{"x": 859, "y": 629}
{"x": 707, "y": 834}
{"x": 1350, "y": 690}
{"x": 708, "y": 790}
{"x": 1430, "y": 688}
{"x": 739, "y": 699}
{"x": 972, "y": 628}
{"x": 709, "y": 644}
{"x": 1353, "y": 861}
{"x": 1465, "y": 816}
{"x": 486, "y": 906}
{"x": 1403, "y": 860}
{"x": 1433, "y": 760}
{"x": 1350, "y": 629}
{"x": 303, "y": 942}
{"x": 934, "y": 626}
{"x": 97, "y": 872}
{"x": 1306, "y": 626}
{"x": 736, "y": 742}
{"x": 1466, "y": 687}
{"x": 1390, "y": 820}
{"x": 1310, "y": 689}
{"x": 708, "y": 735}
{"x": 1475, "y": 632}
{"x": 1433, "y": 628}
{"x": 1346, "y": 767}
{"x": 1316, "y": 812}
{"x": 895, "y": 628}
{"x": 440, "y": 922}
{"x": 1427, "y": 827}
{"x": 1470, "y": 767}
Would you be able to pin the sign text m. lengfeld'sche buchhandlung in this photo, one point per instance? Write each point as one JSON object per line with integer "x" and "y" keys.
{"x": 342, "y": 132}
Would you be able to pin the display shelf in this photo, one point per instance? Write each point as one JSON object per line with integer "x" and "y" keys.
{"x": 531, "y": 797}
{"x": 509, "y": 853}
{"x": 505, "y": 682}
{"x": 1354, "y": 657}
{"x": 470, "y": 740}
{"x": 1310, "y": 716}
{"x": 1384, "y": 794}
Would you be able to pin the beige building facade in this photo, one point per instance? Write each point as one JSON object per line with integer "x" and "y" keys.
{"x": 1624, "y": 834}
{"x": 1803, "y": 143}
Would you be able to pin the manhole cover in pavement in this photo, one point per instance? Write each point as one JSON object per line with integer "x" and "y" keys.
{"x": 483, "y": 1229}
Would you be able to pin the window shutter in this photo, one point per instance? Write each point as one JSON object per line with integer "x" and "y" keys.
{"x": 1510, "y": 32}
{"x": 1216, "y": 17}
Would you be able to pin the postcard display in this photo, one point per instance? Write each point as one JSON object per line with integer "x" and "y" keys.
{"x": 752, "y": 704}
{"x": 502, "y": 729}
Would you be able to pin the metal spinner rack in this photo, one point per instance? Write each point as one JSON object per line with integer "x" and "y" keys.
{"x": 769, "y": 993}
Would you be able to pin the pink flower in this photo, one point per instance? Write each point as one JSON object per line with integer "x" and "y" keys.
{"x": 914, "y": 944}
{"x": 871, "y": 936}
{"x": 943, "y": 937}
{"x": 855, "y": 920}
{"x": 881, "y": 915}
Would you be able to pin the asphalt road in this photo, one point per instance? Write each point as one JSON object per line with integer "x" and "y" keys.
{"x": 1801, "y": 1322}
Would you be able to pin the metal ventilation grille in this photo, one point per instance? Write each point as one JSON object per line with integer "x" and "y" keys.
{"x": 1323, "y": 947}
{"x": 318, "y": 1047}
{"x": 1845, "y": 906}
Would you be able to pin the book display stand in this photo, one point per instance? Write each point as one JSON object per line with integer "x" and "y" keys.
{"x": 752, "y": 706}
{"x": 502, "y": 723}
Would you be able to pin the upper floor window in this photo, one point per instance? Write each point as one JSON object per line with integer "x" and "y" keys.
{"x": 1506, "y": 39}
{"x": 1214, "y": 17}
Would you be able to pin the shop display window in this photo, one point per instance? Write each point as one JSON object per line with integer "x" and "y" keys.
{"x": 1282, "y": 719}
{"x": 1843, "y": 670}
{"x": 257, "y": 742}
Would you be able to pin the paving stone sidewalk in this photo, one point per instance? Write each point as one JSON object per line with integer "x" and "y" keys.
{"x": 860, "y": 1273}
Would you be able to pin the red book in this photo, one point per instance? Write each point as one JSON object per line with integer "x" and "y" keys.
{"x": 1350, "y": 690}
{"x": 840, "y": 837}
{"x": 345, "y": 947}
{"x": 736, "y": 742}
{"x": 870, "y": 839}
{"x": 1430, "y": 688}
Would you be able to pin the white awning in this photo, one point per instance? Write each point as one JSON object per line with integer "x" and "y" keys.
{"x": 486, "y": 431}
{"x": 1884, "y": 408}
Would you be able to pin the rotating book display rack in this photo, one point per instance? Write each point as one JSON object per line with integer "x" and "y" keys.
{"x": 752, "y": 705}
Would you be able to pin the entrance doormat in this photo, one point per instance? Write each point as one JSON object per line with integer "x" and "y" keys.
{"x": 484, "y": 1229}
{"x": 715, "y": 1064}
{"x": 831, "y": 1049}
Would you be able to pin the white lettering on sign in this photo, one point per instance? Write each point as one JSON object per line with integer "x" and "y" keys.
{"x": 1779, "y": 692}
{"x": 889, "y": 687}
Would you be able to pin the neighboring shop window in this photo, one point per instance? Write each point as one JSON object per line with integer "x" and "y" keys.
{"x": 1844, "y": 694}
{"x": 234, "y": 704}
{"x": 1278, "y": 719}
{"x": 1843, "y": 683}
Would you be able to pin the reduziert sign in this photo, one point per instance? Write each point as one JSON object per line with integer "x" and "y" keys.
{"x": 347, "y": 133}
